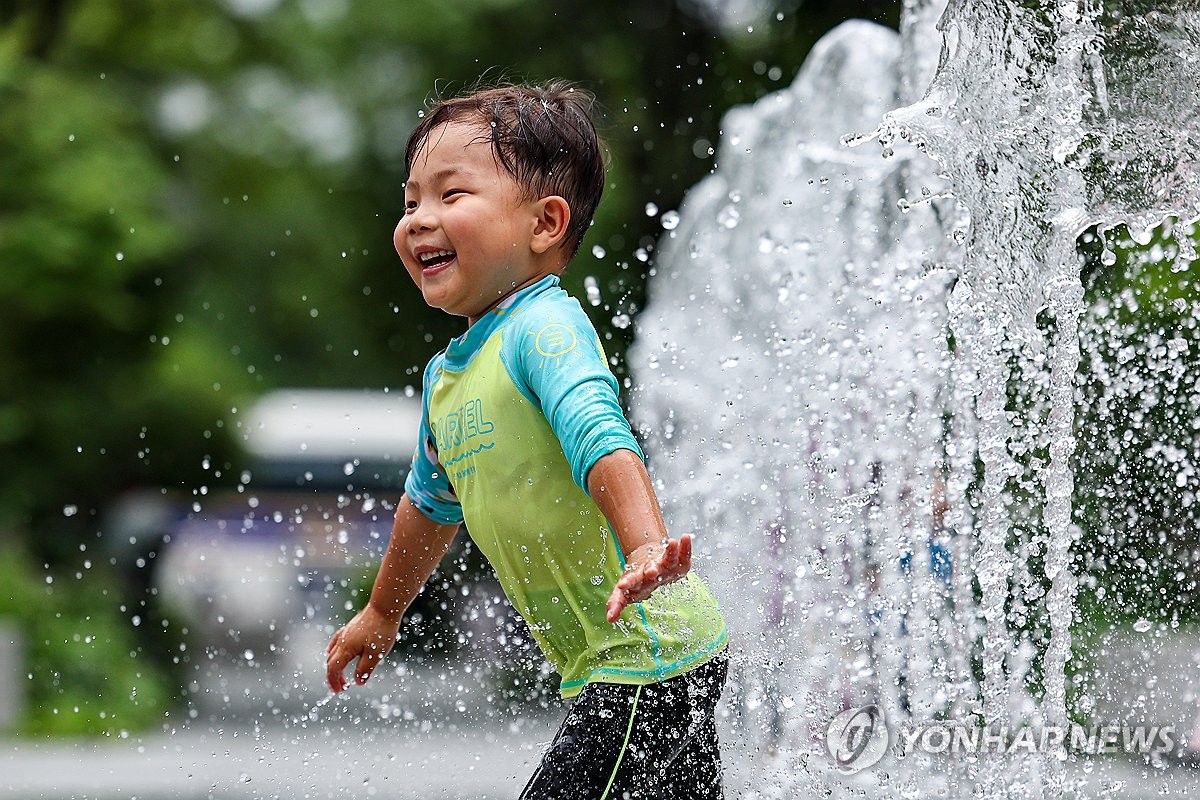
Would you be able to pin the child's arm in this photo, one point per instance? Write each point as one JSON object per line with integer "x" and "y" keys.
{"x": 417, "y": 545}
{"x": 619, "y": 484}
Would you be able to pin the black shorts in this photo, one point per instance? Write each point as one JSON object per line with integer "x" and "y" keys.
{"x": 621, "y": 742}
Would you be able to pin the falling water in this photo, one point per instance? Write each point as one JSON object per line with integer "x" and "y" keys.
{"x": 831, "y": 347}
{"x": 1094, "y": 122}
{"x": 800, "y": 306}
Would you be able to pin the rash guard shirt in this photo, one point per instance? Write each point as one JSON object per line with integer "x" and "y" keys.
{"x": 515, "y": 413}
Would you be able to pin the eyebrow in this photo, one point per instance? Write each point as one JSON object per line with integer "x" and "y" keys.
{"x": 440, "y": 175}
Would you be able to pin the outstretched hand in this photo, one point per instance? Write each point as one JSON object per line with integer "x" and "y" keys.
{"x": 647, "y": 568}
{"x": 368, "y": 637}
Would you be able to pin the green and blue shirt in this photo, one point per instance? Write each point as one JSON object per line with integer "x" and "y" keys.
{"x": 516, "y": 412}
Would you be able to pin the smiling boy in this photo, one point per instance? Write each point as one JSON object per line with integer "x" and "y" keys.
{"x": 523, "y": 438}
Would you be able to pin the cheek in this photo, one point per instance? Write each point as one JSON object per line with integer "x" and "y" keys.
{"x": 398, "y": 237}
{"x": 400, "y": 242}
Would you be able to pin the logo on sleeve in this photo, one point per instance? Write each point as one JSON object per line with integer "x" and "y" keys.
{"x": 553, "y": 341}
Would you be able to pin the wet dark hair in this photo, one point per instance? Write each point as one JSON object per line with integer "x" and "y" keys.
{"x": 542, "y": 135}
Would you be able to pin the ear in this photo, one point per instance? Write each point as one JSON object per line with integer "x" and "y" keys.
{"x": 553, "y": 216}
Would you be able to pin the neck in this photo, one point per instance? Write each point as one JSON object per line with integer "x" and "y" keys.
{"x": 528, "y": 282}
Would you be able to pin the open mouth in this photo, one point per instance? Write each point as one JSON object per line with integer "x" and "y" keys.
{"x": 435, "y": 258}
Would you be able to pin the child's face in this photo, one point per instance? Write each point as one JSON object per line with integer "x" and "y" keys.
{"x": 466, "y": 232}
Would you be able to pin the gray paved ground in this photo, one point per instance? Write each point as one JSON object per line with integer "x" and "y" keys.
{"x": 309, "y": 763}
{"x": 355, "y": 747}
{"x": 474, "y": 762}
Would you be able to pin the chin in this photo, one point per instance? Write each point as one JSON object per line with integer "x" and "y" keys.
{"x": 448, "y": 308}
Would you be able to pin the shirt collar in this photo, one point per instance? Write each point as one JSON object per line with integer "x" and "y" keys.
{"x": 463, "y": 348}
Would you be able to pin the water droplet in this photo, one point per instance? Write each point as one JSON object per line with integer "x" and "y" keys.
{"x": 651, "y": 210}
{"x": 670, "y": 220}
{"x": 854, "y": 139}
{"x": 728, "y": 217}
{"x": 592, "y": 288}
{"x": 1143, "y": 625}
{"x": 598, "y": 251}
{"x": 70, "y": 510}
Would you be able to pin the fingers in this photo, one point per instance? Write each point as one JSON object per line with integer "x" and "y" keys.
{"x": 343, "y": 649}
{"x": 685, "y": 553}
{"x": 672, "y": 563}
{"x": 633, "y": 587}
{"x": 616, "y": 604}
{"x": 335, "y": 666}
{"x": 670, "y": 557}
{"x": 634, "y": 582}
{"x": 650, "y": 573}
{"x": 367, "y": 663}
{"x": 677, "y": 560}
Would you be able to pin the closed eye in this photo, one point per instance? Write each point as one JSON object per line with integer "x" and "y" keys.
{"x": 452, "y": 192}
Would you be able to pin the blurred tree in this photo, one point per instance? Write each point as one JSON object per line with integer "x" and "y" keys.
{"x": 83, "y": 239}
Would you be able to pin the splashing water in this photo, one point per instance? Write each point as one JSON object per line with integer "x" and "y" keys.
{"x": 877, "y": 329}
{"x": 808, "y": 477}
{"x": 314, "y": 710}
{"x": 1094, "y": 123}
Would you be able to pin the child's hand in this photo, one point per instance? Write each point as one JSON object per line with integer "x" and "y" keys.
{"x": 647, "y": 568}
{"x": 368, "y": 637}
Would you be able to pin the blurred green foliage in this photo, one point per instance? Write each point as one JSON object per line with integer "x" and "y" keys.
{"x": 197, "y": 201}
{"x": 87, "y": 671}
{"x": 1139, "y": 433}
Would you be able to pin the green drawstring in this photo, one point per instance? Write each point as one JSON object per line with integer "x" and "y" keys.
{"x": 625, "y": 744}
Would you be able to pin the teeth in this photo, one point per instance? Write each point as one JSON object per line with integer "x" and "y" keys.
{"x": 435, "y": 255}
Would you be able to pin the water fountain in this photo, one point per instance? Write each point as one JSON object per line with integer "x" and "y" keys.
{"x": 831, "y": 346}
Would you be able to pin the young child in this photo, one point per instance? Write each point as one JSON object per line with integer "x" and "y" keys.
{"x": 523, "y": 439}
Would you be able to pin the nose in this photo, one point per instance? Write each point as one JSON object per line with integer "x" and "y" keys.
{"x": 411, "y": 224}
{"x": 421, "y": 219}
